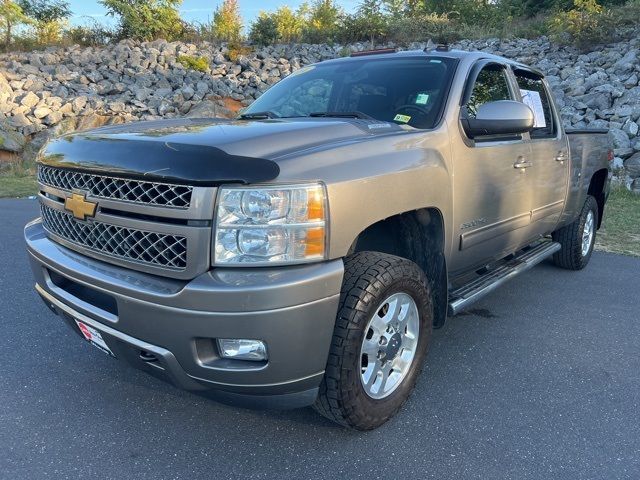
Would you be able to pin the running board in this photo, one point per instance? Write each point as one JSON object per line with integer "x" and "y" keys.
{"x": 471, "y": 292}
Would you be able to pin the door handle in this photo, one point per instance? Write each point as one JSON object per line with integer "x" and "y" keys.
{"x": 522, "y": 163}
{"x": 561, "y": 157}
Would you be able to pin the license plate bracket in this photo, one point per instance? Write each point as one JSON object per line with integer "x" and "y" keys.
{"x": 94, "y": 337}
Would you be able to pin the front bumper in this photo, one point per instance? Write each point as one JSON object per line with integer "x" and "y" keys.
{"x": 168, "y": 327}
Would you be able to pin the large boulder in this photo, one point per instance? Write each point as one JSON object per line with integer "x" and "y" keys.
{"x": 10, "y": 139}
{"x": 632, "y": 165}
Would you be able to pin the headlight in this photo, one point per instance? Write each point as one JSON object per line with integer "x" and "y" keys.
{"x": 270, "y": 225}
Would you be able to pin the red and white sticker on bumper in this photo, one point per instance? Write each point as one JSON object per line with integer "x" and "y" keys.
{"x": 94, "y": 337}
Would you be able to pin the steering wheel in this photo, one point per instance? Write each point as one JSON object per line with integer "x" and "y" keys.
{"x": 422, "y": 111}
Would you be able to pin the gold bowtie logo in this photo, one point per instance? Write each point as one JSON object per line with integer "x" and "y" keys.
{"x": 80, "y": 207}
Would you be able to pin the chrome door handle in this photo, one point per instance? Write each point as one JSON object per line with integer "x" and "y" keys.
{"x": 562, "y": 157}
{"x": 522, "y": 163}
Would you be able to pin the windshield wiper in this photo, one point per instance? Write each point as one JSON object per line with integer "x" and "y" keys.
{"x": 258, "y": 115}
{"x": 353, "y": 114}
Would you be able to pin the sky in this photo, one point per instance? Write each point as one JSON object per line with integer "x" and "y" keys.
{"x": 195, "y": 10}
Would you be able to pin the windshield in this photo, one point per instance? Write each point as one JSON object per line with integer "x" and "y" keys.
{"x": 407, "y": 91}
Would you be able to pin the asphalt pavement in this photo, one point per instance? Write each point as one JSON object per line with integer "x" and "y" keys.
{"x": 540, "y": 380}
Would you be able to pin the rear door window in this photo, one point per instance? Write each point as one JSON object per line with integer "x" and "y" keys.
{"x": 535, "y": 95}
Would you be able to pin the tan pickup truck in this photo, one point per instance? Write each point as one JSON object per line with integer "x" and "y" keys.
{"x": 302, "y": 253}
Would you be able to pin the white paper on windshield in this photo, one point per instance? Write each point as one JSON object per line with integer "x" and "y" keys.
{"x": 532, "y": 99}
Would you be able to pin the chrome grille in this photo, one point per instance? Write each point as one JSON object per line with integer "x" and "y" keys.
{"x": 136, "y": 191}
{"x": 149, "y": 248}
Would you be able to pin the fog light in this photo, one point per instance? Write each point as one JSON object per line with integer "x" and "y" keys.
{"x": 242, "y": 349}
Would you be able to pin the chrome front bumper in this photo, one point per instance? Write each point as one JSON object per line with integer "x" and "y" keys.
{"x": 175, "y": 323}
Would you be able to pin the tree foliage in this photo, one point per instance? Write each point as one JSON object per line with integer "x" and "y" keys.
{"x": 227, "y": 22}
{"x": 147, "y": 19}
{"x": 46, "y": 10}
{"x": 264, "y": 30}
{"x": 11, "y": 15}
{"x": 49, "y": 18}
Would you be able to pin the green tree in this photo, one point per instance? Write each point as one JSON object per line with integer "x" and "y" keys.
{"x": 586, "y": 24}
{"x": 147, "y": 19}
{"x": 11, "y": 15}
{"x": 321, "y": 20}
{"x": 264, "y": 30}
{"x": 227, "y": 22}
{"x": 371, "y": 19}
{"x": 50, "y": 18}
{"x": 289, "y": 24}
{"x": 46, "y": 10}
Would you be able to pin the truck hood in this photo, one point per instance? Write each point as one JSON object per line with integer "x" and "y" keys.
{"x": 203, "y": 151}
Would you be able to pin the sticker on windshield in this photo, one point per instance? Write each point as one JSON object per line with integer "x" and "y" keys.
{"x": 303, "y": 70}
{"x": 402, "y": 118}
{"x": 422, "y": 99}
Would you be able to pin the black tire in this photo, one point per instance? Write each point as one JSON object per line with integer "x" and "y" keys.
{"x": 369, "y": 279}
{"x": 570, "y": 256}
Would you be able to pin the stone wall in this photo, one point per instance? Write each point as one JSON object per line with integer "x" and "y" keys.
{"x": 63, "y": 89}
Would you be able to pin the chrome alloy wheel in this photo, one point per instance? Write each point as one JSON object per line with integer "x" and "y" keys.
{"x": 389, "y": 345}
{"x": 587, "y": 233}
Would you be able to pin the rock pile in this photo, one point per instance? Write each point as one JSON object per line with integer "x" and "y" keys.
{"x": 62, "y": 89}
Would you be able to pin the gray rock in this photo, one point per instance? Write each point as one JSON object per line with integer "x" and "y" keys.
{"x": 617, "y": 163}
{"x": 635, "y": 186}
{"x": 79, "y": 103}
{"x": 30, "y": 100}
{"x": 10, "y": 140}
{"x": 19, "y": 120}
{"x": 116, "y": 107}
{"x": 619, "y": 138}
{"x": 630, "y": 128}
{"x": 632, "y": 165}
{"x": 53, "y": 118}
{"x": 41, "y": 112}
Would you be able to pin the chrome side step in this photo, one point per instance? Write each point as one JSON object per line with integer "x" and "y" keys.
{"x": 469, "y": 293}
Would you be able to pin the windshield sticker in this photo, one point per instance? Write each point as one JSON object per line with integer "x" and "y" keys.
{"x": 302, "y": 70}
{"x": 532, "y": 99}
{"x": 402, "y": 118}
{"x": 422, "y": 99}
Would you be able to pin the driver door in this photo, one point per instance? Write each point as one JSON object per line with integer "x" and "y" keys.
{"x": 492, "y": 196}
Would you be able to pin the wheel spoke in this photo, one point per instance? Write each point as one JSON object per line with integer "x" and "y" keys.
{"x": 372, "y": 374}
{"x": 370, "y": 348}
{"x": 386, "y": 372}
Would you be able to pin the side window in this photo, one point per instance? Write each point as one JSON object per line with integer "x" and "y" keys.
{"x": 535, "y": 95}
{"x": 491, "y": 85}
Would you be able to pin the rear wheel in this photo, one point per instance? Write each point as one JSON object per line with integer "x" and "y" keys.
{"x": 380, "y": 340}
{"x": 578, "y": 238}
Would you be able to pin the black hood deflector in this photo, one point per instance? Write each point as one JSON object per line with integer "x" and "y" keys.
{"x": 159, "y": 161}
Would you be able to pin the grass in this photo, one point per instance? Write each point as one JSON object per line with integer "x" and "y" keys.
{"x": 620, "y": 231}
{"x": 12, "y": 185}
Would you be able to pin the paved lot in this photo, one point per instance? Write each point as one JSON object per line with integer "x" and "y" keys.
{"x": 541, "y": 380}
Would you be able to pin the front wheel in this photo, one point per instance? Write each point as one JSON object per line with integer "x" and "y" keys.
{"x": 381, "y": 337}
{"x": 578, "y": 238}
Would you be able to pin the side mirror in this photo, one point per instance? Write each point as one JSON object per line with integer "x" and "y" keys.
{"x": 498, "y": 118}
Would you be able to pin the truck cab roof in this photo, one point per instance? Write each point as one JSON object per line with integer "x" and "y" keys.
{"x": 471, "y": 56}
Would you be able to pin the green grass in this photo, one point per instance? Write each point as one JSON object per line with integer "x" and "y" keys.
{"x": 12, "y": 185}
{"x": 620, "y": 231}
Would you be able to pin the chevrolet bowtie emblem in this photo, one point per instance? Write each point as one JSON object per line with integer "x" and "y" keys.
{"x": 80, "y": 207}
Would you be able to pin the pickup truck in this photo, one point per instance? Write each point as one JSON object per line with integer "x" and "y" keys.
{"x": 302, "y": 253}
